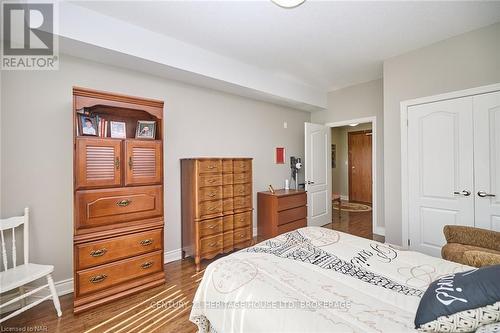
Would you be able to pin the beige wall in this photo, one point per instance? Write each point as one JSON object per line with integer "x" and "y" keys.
{"x": 37, "y": 165}
{"x": 340, "y": 174}
{"x": 465, "y": 61}
{"x": 359, "y": 101}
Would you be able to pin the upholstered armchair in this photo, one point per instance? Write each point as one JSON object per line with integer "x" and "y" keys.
{"x": 471, "y": 246}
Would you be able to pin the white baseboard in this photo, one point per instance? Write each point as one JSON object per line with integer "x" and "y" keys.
{"x": 64, "y": 287}
{"x": 255, "y": 231}
{"x": 173, "y": 255}
{"x": 379, "y": 231}
{"x": 344, "y": 197}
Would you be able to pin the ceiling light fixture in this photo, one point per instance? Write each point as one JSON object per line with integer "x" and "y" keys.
{"x": 353, "y": 125}
{"x": 288, "y": 3}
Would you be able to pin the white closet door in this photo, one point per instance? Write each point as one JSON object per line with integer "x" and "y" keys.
{"x": 440, "y": 166}
{"x": 487, "y": 160}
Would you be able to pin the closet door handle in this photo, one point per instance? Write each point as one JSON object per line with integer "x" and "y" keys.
{"x": 465, "y": 193}
{"x": 483, "y": 194}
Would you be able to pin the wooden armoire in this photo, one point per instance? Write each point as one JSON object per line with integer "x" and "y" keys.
{"x": 118, "y": 200}
{"x": 217, "y": 206}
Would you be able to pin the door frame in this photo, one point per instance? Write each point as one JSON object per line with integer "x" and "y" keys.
{"x": 376, "y": 229}
{"x": 404, "y": 105}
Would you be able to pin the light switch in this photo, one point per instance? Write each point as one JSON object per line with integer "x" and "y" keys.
{"x": 285, "y": 124}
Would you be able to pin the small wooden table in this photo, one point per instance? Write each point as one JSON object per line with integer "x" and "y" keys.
{"x": 336, "y": 197}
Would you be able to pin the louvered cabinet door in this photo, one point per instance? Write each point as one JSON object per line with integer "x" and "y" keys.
{"x": 98, "y": 162}
{"x": 143, "y": 162}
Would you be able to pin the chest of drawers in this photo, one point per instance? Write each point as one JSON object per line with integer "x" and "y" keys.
{"x": 281, "y": 212}
{"x": 217, "y": 206}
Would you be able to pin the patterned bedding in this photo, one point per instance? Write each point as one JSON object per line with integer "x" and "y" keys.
{"x": 315, "y": 280}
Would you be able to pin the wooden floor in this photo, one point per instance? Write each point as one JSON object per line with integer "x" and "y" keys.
{"x": 137, "y": 313}
{"x": 358, "y": 223}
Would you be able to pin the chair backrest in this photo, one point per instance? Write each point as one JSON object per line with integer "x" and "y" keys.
{"x": 12, "y": 223}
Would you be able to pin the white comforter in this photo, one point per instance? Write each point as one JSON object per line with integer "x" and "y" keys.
{"x": 315, "y": 280}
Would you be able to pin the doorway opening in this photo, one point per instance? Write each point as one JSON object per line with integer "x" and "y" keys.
{"x": 353, "y": 167}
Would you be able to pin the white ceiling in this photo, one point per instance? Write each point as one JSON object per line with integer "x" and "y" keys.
{"x": 323, "y": 44}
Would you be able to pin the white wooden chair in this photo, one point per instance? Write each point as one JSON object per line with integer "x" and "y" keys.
{"x": 19, "y": 275}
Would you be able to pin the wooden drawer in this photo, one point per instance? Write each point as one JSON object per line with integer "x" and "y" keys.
{"x": 227, "y": 178}
{"x": 211, "y": 244}
{"x": 227, "y": 241}
{"x": 210, "y": 193}
{"x": 227, "y": 222}
{"x": 241, "y": 178}
{"x": 292, "y": 226}
{"x": 242, "y": 219}
{"x": 209, "y": 180}
{"x": 227, "y": 205}
{"x": 242, "y": 189}
{"x": 242, "y": 202}
{"x": 227, "y": 191}
{"x": 242, "y": 166}
{"x": 210, "y": 227}
{"x": 205, "y": 166}
{"x": 227, "y": 166}
{"x": 116, "y": 248}
{"x": 289, "y": 215}
{"x": 241, "y": 235}
{"x": 108, "y": 206}
{"x": 210, "y": 208}
{"x": 292, "y": 201}
{"x": 108, "y": 275}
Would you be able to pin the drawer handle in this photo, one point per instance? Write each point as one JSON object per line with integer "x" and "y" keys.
{"x": 147, "y": 265}
{"x": 146, "y": 242}
{"x": 211, "y": 181}
{"x": 211, "y": 226}
{"x": 98, "y": 278}
{"x": 130, "y": 163}
{"x": 117, "y": 163}
{"x": 211, "y": 195}
{"x": 212, "y": 208}
{"x": 242, "y": 235}
{"x": 211, "y": 166}
{"x": 98, "y": 253}
{"x": 212, "y": 244}
{"x": 123, "y": 203}
{"x": 242, "y": 219}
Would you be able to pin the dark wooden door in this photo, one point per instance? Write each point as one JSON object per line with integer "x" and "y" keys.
{"x": 360, "y": 166}
{"x": 98, "y": 162}
{"x": 143, "y": 162}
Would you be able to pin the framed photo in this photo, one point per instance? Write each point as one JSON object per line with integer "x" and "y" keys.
{"x": 118, "y": 129}
{"x": 88, "y": 125}
{"x": 145, "y": 129}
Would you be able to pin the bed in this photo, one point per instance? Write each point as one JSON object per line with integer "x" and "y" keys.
{"x": 315, "y": 280}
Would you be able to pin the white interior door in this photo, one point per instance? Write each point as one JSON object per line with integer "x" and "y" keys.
{"x": 317, "y": 174}
{"x": 487, "y": 160}
{"x": 440, "y": 170}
